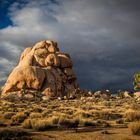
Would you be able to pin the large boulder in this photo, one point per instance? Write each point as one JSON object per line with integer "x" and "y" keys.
{"x": 104, "y": 94}
{"x": 124, "y": 94}
{"x": 42, "y": 68}
{"x": 24, "y": 78}
{"x": 65, "y": 60}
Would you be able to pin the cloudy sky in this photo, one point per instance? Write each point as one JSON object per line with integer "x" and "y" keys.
{"x": 102, "y": 37}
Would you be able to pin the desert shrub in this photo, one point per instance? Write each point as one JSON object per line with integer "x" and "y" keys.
{"x": 27, "y": 112}
{"x": 68, "y": 123}
{"x": 55, "y": 120}
{"x": 59, "y": 114}
{"x": 102, "y": 123}
{"x": 69, "y": 112}
{"x": 2, "y": 123}
{"x": 107, "y": 115}
{"x": 20, "y": 109}
{"x": 132, "y": 116}
{"x": 11, "y": 98}
{"x": 135, "y": 128}
{"x": 120, "y": 121}
{"x": 83, "y": 114}
{"x": 7, "y": 134}
{"x": 27, "y": 124}
{"x": 35, "y": 115}
{"x": 135, "y": 106}
{"x": 87, "y": 122}
{"x": 8, "y": 115}
{"x": 12, "y": 109}
{"x": 46, "y": 112}
{"x": 105, "y": 132}
{"x": 19, "y": 117}
{"x": 86, "y": 115}
{"x": 41, "y": 125}
{"x": 107, "y": 103}
{"x": 37, "y": 109}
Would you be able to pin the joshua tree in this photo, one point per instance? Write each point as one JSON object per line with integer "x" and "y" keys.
{"x": 136, "y": 81}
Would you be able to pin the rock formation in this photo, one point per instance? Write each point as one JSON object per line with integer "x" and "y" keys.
{"x": 42, "y": 68}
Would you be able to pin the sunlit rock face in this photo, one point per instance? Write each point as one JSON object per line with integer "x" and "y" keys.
{"x": 42, "y": 68}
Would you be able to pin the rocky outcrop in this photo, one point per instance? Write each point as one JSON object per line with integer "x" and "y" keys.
{"x": 42, "y": 68}
{"x": 124, "y": 94}
{"x": 104, "y": 94}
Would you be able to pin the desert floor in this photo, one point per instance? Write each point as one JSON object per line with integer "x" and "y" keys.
{"x": 98, "y": 119}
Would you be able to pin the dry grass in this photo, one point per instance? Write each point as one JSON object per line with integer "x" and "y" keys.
{"x": 19, "y": 117}
{"x": 132, "y": 116}
{"x": 38, "y": 124}
{"x": 55, "y": 120}
{"x": 108, "y": 115}
{"x": 86, "y": 114}
{"x": 41, "y": 125}
{"x": 68, "y": 123}
{"x": 27, "y": 124}
{"x": 47, "y": 112}
{"x": 135, "y": 128}
{"x": 69, "y": 114}
{"x": 135, "y": 106}
{"x": 15, "y": 134}
{"x": 35, "y": 115}
{"x": 87, "y": 122}
{"x": 37, "y": 109}
{"x": 120, "y": 121}
{"x": 8, "y": 115}
{"x": 2, "y": 123}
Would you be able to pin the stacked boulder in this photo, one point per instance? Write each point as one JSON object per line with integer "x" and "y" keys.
{"x": 43, "y": 68}
{"x": 103, "y": 94}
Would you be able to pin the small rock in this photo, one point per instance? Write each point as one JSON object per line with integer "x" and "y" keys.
{"x": 29, "y": 96}
{"x": 45, "y": 98}
{"x": 59, "y": 98}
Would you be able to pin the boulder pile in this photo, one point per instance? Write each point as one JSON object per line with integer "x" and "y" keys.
{"x": 42, "y": 68}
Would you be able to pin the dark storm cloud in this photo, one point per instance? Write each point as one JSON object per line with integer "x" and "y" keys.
{"x": 102, "y": 36}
